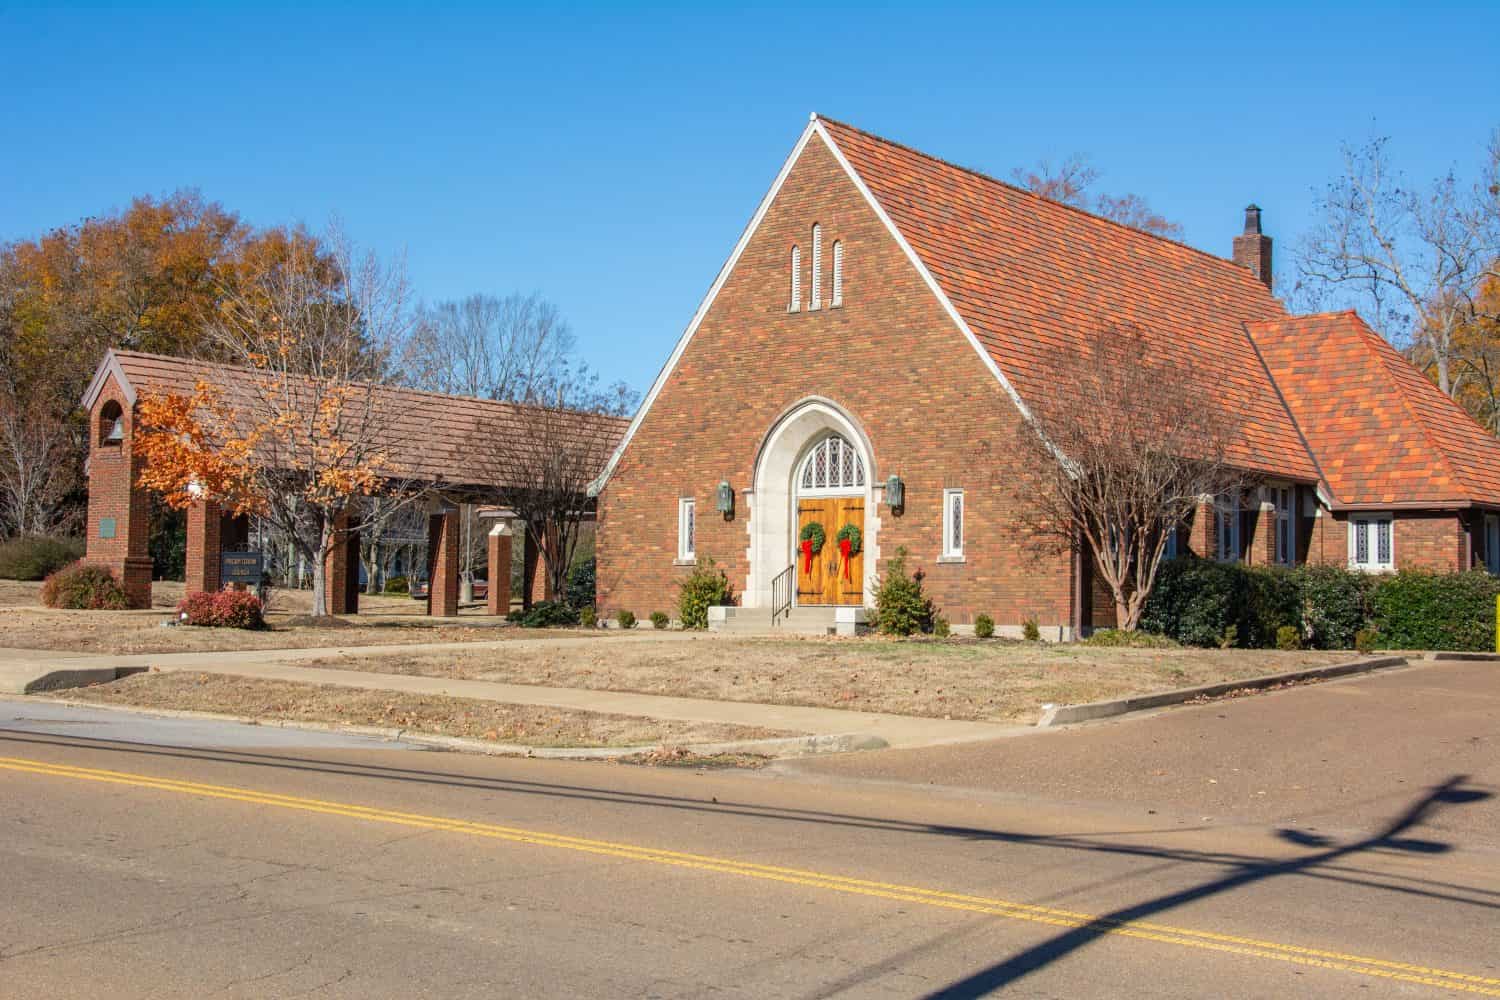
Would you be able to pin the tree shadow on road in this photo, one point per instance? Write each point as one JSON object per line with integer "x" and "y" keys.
{"x": 1392, "y": 837}
{"x": 1319, "y": 866}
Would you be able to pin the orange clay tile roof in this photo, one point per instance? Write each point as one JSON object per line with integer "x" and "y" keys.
{"x": 1028, "y": 274}
{"x": 1382, "y": 432}
{"x": 433, "y": 437}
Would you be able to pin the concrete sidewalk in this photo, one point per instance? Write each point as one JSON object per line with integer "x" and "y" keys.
{"x": 22, "y": 670}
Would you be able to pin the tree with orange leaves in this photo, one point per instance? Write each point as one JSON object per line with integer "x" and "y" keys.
{"x": 302, "y": 438}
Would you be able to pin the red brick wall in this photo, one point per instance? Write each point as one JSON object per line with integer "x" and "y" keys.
{"x": 442, "y": 536}
{"x": 890, "y": 357}
{"x": 1429, "y": 540}
{"x": 112, "y": 494}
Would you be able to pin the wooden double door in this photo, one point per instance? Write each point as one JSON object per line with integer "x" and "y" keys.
{"x": 828, "y": 577}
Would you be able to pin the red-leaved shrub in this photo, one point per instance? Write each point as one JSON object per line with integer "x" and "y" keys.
{"x": 222, "y": 609}
{"x": 81, "y": 587}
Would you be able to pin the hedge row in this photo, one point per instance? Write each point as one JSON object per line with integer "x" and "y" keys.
{"x": 1199, "y": 602}
{"x": 36, "y": 557}
{"x": 222, "y": 609}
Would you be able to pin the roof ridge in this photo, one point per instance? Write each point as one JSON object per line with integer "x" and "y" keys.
{"x": 1312, "y": 456}
{"x": 451, "y": 397}
{"x": 1374, "y": 342}
{"x": 1039, "y": 197}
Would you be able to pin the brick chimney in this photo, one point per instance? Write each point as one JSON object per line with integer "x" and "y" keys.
{"x": 1252, "y": 248}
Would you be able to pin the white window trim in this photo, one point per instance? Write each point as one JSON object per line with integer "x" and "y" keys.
{"x": 952, "y": 553}
{"x": 815, "y": 296}
{"x": 1373, "y": 565}
{"x": 838, "y": 275}
{"x": 796, "y": 305}
{"x": 1288, "y": 515}
{"x": 1227, "y": 505}
{"x": 687, "y": 530}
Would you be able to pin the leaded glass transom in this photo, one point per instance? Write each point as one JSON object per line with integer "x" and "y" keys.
{"x": 832, "y": 466}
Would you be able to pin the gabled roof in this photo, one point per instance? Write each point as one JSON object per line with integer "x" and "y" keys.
{"x": 1027, "y": 274}
{"x": 432, "y": 437}
{"x": 1380, "y": 430}
{"x": 1019, "y": 274}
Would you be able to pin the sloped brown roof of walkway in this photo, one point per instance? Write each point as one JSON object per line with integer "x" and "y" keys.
{"x": 1030, "y": 275}
{"x": 430, "y": 436}
{"x": 1381, "y": 431}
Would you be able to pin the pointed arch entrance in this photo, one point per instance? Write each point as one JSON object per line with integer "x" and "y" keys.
{"x": 815, "y": 466}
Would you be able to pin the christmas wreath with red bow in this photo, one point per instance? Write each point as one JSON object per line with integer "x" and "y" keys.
{"x": 813, "y": 538}
{"x": 850, "y": 540}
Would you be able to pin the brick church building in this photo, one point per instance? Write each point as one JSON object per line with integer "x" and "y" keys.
{"x": 865, "y": 357}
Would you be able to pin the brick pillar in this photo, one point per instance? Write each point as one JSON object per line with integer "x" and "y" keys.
{"x": 205, "y": 544}
{"x": 535, "y": 581}
{"x": 119, "y": 514}
{"x": 336, "y": 570}
{"x": 442, "y": 564}
{"x": 1201, "y": 537}
{"x": 498, "y": 601}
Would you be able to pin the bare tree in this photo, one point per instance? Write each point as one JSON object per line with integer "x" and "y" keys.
{"x": 490, "y": 348}
{"x": 36, "y": 467}
{"x": 544, "y": 454}
{"x": 304, "y": 437}
{"x": 1413, "y": 259}
{"x": 1071, "y": 181}
{"x": 1128, "y": 442}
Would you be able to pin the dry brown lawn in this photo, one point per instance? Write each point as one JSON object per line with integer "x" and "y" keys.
{"x": 436, "y": 714}
{"x": 956, "y": 679}
{"x": 26, "y": 624}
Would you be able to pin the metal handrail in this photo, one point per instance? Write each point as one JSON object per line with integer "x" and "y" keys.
{"x": 783, "y": 587}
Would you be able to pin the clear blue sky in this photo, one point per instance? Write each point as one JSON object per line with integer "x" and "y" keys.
{"x": 609, "y": 157}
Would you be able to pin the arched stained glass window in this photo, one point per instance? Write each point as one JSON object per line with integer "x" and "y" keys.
{"x": 833, "y": 466}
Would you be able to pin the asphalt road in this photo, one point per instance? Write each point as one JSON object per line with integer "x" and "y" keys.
{"x": 144, "y": 869}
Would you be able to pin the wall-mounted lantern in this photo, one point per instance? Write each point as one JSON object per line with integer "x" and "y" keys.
{"x": 895, "y": 493}
{"x": 725, "y": 498}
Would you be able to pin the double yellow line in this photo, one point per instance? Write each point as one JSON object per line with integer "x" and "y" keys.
{"x": 1181, "y": 936}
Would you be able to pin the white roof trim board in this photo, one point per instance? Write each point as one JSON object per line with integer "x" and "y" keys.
{"x": 109, "y": 366}
{"x": 814, "y": 127}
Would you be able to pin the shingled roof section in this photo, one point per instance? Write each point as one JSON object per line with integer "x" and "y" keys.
{"x": 1028, "y": 275}
{"x": 1381, "y": 431}
{"x": 433, "y": 437}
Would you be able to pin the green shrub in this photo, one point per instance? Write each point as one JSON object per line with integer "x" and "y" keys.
{"x": 940, "y": 627}
{"x": 1365, "y": 640}
{"x": 625, "y": 619}
{"x": 660, "y": 620}
{"x": 900, "y": 606}
{"x": 705, "y": 587}
{"x": 544, "y": 614}
{"x": 1133, "y": 640}
{"x": 1030, "y": 630}
{"x": 1335, "y": 606}
{"x": 397, "y": 585}
{"x": 1419, "y": 610}
{"x": 582, "y": 580}
{"x": 36, "y": 557}
{"x": 81, "y": 587}
{"x": 984, "y": 627}
{"x": 222, "y": 609}
{"x": 588, "y": 617}
{"x": 1287, "y": 637}
{"x": 1195, "y": 601}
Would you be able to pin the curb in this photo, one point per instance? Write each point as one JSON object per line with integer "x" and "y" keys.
{"x": 1067, "y": 714}
{"x": 781, "y": 746}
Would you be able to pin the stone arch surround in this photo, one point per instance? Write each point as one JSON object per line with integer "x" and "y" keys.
{"x": 772, "y": 496}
